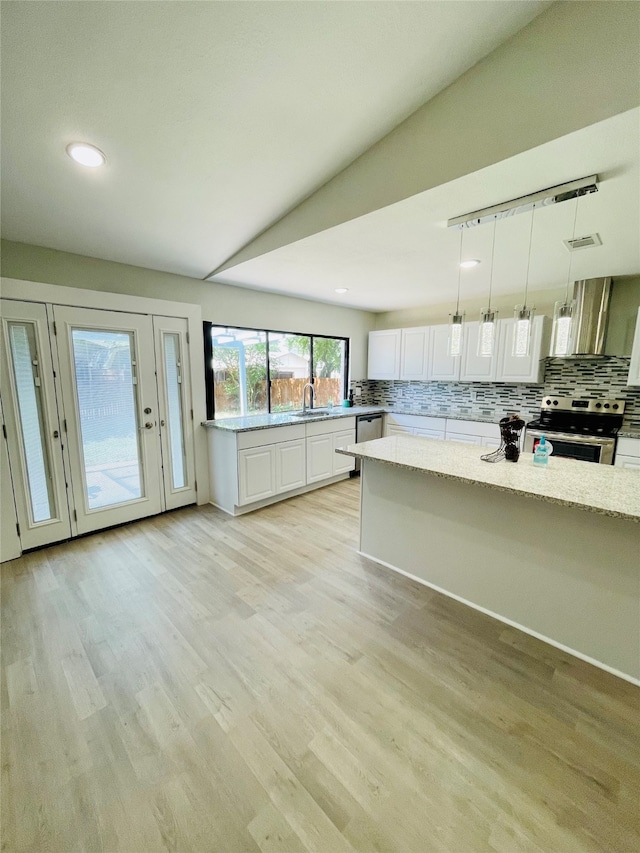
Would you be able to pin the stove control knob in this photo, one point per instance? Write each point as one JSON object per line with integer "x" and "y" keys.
{"x": 598, "y": 405}
{"x": 548, "y": 402}
{"x": 615, "y": 406}
{"x": 606, "y": 405}
{"x": 555, "y": 402}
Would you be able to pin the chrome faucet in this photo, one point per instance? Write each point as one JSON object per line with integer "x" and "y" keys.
{"x": 309, "y": 385}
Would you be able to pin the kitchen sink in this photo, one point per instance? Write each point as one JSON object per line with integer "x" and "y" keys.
{"x": 312, "y": 413}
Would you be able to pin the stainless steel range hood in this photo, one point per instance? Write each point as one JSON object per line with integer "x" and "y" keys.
{"x": 590, "y": 316}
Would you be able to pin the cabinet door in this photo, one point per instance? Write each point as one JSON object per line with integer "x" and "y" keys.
{"x": 474, "y": 367}
{"x": 395, "y": 429}
{"x": 291, "y": 472}
{"x": 442, "y": 366}
{"x": 429, "y": 433}
{"x": 342, "y": 464}
{"x": 494, "y": 443}
{"x": 319, "y": 457}
{"x": 384, "y": 354}
{"x": 256, "y": 474}
{"x": 414, "y": 352}
{"x": 529, "y": 368}
{"x": 628, "y": 462}
{"x": 463, "y": 438}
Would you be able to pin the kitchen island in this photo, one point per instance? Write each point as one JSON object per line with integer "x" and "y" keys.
{"x": 553, "y": 551}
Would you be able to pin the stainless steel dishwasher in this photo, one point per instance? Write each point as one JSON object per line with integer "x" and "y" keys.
{"x": 368, "y": 427}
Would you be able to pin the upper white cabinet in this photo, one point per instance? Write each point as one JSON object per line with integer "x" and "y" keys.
{"x": 384, "y": 354}
{"x": 441, "y": 366}
{"x": 634, "y": 368}
{"x": 530, "y": 368}
{"x": 414, "y": 353}
{"x": 474, "y": 367}
{"x": 421, "y": 354}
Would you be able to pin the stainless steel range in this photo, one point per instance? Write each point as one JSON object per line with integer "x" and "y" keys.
{"x": 578, "y": 429}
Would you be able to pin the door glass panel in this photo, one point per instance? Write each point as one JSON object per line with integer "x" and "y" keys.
{"x": 108, "y": 415}
{"x": 173, "y": 381}
{"x": 26, "y": 373}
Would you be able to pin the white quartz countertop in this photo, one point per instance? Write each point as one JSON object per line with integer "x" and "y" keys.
{"x": 599, "y": 488}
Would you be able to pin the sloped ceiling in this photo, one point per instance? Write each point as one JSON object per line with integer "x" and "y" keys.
{"x": 216, "y": 117}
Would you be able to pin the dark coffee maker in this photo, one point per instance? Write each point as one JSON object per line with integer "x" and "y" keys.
{"x": 510, "y": 428}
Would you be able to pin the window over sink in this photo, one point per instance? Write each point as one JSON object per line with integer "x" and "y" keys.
{"x": 260, "y": 371}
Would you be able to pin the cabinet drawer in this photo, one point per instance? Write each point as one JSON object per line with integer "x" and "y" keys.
{"x": 334, "y": 425}
{"x": 271, "y": 435}
{"x": 477, "y": 428}
{"x": 628, "y": 447}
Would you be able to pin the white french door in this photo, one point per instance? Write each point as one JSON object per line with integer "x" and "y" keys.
{"x": 34, "y": 436}
{"x": 109, "y": 392}
{"x": 175, "y": 411}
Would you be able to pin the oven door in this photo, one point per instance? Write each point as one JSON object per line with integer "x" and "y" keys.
{"x": 589, "y": 448}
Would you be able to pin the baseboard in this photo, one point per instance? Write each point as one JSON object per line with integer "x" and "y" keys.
{"x": 506, "y": 621}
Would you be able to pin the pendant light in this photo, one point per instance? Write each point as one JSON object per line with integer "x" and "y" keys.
{"x": 563, "y": 312}
{"x": 487, "y": 331}
{"x": 523, "y": 315}
{"x": 454, "y": 346}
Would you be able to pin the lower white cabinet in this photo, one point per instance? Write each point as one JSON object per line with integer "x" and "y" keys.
{"x": 395, "y": 424}
{"x": 256, "y": 474}
{"x": 290, "y": 465}
{"x": 319, "y": 458}
{"x": 257, "y": 466}
{"x": 463, "y": 439}
{"x": 628, "y": 453}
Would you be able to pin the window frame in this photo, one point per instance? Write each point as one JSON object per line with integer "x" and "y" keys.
{"x": 207, "y": 326}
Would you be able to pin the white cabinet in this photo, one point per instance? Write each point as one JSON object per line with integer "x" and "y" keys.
{"x": 441, "y": 366}
{"x": 290, "y": 463}
{"x": 414, "y": 353}
{"x": 473, "y": 432}
{"x": 319, "y": 458}
{"x": 634, "y": 367}
{"x": 529, "y": 368}
{"x": 628, "y": 453}
{"x": 343, "y": 464}
{"x": 425, "y": 425}
{"x": 384, "y": 354}
{"x": 474, "y": 367}
{"x": 255, "y": 467}
{"x": 256, "y": 474}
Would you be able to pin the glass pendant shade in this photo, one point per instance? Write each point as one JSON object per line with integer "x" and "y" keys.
{"x": 523, "y": 318}
{"x": 455, "y": 334}
{"x": 487, "y": 333}
{"x": 561, "y": 335}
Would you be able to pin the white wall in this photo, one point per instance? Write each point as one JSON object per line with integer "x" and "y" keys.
{"x": 220, "y": 303}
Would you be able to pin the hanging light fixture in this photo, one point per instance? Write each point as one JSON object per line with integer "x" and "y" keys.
{"x": 487, "y": 331}
{"x": 457, "y": 319}
{"x": 523, "y": 315}
{"x": 563, "y": 311}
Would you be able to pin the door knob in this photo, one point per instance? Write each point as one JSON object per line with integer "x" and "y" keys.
{"x": 148, "y": 425}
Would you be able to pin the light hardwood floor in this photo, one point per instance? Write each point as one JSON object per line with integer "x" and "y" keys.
{"x": 196, "y": 682}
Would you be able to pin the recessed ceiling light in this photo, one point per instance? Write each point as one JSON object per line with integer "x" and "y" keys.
{"x": 472, "y": 262}
{"x": 342, "y": 289}
{"x": 86, "y": 155}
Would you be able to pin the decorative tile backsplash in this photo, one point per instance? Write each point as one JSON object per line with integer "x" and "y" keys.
{"x": 589, "y": 378}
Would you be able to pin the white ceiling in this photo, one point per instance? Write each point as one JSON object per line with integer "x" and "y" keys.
{"x": 217, "y": 118}
{"x": 403, "y": 255}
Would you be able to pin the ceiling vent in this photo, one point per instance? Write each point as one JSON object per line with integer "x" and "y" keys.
{"x": 583, "y": 242}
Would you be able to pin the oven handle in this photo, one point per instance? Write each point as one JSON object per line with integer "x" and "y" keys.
{"x": 576, "y": 439}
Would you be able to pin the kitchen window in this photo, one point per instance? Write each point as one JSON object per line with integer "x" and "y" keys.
{"x": 260, "y": 371}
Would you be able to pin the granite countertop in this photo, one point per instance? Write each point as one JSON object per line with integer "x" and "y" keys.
{"x": 629, "y": 433}
{"x": 598, "y": 488}
{"x": 253, "y": 422}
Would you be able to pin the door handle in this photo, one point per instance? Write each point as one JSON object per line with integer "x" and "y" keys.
{"x": 148, "y": 425}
